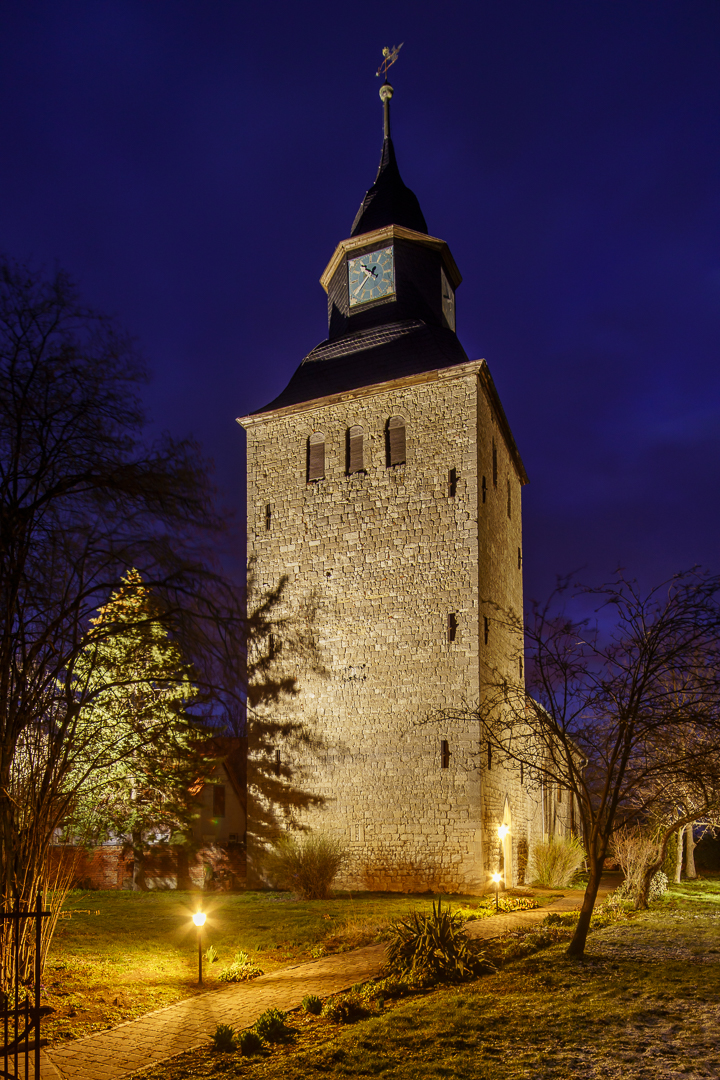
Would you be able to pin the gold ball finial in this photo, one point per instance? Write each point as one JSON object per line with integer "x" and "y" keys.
{"x": 386, "y": 92}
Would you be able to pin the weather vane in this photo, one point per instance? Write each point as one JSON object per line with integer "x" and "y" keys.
{"x": 390, "y": 56}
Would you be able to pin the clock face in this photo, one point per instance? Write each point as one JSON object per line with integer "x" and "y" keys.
{"x": 448, "y": 301}
{"x": 371, "y": 276}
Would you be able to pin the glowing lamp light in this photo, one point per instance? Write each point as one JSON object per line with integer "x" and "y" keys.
{"x": 503, "y": 830}
{"x": 497, "y": 878}
{"x": 199, "y": 918}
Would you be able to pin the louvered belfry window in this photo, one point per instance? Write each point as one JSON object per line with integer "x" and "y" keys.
{"x": 316, "y": 456}
{"x": 396, "y": 441}
{"x": 355, "y": 461}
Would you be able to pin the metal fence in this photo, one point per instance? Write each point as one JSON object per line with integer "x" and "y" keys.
{"x": 20, "y": 1008}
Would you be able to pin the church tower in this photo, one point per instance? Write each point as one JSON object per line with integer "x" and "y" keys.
{"x": 385, "y": 483}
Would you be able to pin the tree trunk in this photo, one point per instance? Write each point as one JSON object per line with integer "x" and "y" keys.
{"x": 679, "y": 856}
{"x": 577, "y": 945}
{"x": 690, "y": 853}
{"x": 138, "y": 878}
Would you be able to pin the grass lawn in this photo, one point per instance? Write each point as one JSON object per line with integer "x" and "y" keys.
{"x": 117, "y": 955}
{"x": 643, "y": 1005}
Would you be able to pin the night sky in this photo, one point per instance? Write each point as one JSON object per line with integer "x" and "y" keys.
{"x": 194, "y": 164}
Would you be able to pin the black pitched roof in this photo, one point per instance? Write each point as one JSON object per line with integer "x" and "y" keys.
{"x": 388, "y": 201}
{"x": 368, "y": 357}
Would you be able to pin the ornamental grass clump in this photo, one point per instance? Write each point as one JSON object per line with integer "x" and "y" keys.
{"x": 224, "y": 1039}
{"x": 242, "y": 969}
{"x": 271, "y": 1026}
{"x": 554, "y": 863}
{"x": 306, "y": 867}
{"x": 361, "y": 1001}
{"x": 249, "y": 1043}
{"x": 425, "y": 949}
{"x": 311, "y": 1003}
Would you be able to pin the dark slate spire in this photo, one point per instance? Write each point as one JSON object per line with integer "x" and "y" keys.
{"x": 389, "y": 201}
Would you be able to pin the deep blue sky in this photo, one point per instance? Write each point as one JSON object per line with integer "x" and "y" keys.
{"x": 193, "y": 165}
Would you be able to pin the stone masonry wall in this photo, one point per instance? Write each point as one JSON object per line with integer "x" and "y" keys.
{"x": 382, "y": 558}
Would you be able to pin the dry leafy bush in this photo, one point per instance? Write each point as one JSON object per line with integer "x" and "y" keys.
{"x": 362, "y": 1000}
{"x": 242, "y": 969}
{"x": 554, "y": 863}
{"x": 432, "y": 948}
{"x": 306, "y": 867}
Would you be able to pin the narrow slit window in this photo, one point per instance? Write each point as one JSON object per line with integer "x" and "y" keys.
{"x": 444, "y": 754}
{"x": 271, "y": 645}
{"x": 519, "y": 559}
{"x": 509, "y": 501}
{"x": 489, "y": 748}
{"x": 316, "y": 457}
{"x": 355, "y": 461}
{"x": 452, "y": 483}
{"x": 218, "y": 800}
{"x": 395, "y": 433}
{"x": 268, "y": 517}
{"x": 522, "y": 774}
{"x": 486, "y": 625}
{"x": 520, "y": 666}
{"x": 559, "y": 794}
{"x": 494, "y": 463}
{"x": 277, "y": 762}
{"x": 484, "y": 489}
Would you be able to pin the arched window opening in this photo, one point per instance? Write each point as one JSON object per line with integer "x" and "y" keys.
{"x": 316, "y": 456}
{"x": 452, "y": 626}
{"x": 395, "y": 433}
{"x": 355, "y": 461}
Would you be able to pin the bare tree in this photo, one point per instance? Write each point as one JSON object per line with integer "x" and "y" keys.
{"x": 624, "y": 714}
{"x": 82, "y": 501}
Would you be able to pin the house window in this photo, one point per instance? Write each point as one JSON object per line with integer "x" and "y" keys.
{"x": 452, "y": 483}
{"x": 452, "y": 625}
{"x": 395, "y": 435}
{"x": 494, "y": 459}
{"x": 444, "y": 754}
{"x": 509, "y": 501}
{"x": 486, "y": 624}
{"x": 316, "y": 456}
{"x": 355, "y": 450}
{"x": 218, "y": 800}
{"x": 484, "y": 489}
{"x": 268, "y": 517}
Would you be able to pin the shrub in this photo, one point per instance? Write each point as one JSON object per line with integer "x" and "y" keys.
{"x": 308, "y": 867}
{"x": 242, "y": 969}
{"x": 554, "y": 863}
{"x": 356, "y": 1004}
{"x": 271, "y": 1025}
{"x": 249, "y": 1043}
{"x": 432, "y": 948}
{"x": 224, "y": 1039}
{"x": 634, "y": 851}
{"x": 311, "y": 1003}
{"x": 211, "y": 956}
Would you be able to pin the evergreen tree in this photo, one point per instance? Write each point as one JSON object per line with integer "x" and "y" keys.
{"x": 136, "y": 687}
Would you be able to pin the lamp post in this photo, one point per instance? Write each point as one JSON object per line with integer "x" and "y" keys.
{"x": 497, "y": 878}
{"x": 199, "y": 920}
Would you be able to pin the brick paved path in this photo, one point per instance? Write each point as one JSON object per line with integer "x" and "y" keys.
{"x": 120, "y": 1051}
